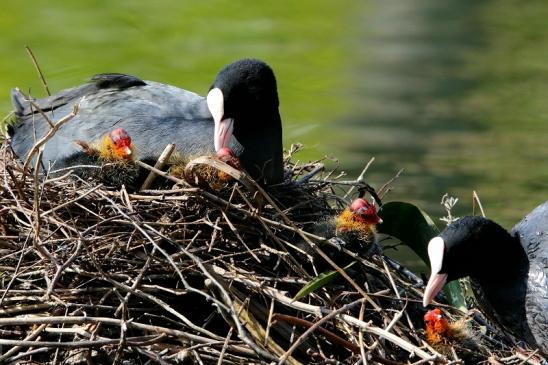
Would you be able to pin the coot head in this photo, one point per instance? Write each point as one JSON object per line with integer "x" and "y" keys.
{"x": 243, "y": 101}
{"x": 242, "y": 91}
{"x": 472, "y": 246}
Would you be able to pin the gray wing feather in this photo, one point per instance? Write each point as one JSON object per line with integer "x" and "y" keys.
{"x": 533, "y": 233}
{"x": 153, "y": 114}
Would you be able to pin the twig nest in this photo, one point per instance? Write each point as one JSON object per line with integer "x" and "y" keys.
{"x": 207, "y": 171}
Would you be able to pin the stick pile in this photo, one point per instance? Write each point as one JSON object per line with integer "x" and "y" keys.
{"x": 95, "y": 275}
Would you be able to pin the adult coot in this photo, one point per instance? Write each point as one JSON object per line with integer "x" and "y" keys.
{"x": 242, "y": 103}
{"x": 509, "y": 271}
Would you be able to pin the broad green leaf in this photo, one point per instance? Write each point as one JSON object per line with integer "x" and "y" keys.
{"x": 410, "y": 225}
{"x": 319, "y": 282}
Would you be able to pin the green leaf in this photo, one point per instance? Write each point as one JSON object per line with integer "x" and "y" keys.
{"x": 455, "y": 295}
{"x": 319, "y": 282}
{"x": 413, "y": 227}
{"x": 409, "y": 224}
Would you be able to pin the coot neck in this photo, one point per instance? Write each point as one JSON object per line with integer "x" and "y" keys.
{"x": 261, "y": 137}
{"x": 502, "y": 262}
{"x": 503, "y": 286}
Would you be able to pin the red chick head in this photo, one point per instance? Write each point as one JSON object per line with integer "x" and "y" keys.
{"x": 226, "y": 155}
{"x": 122, "y": 143}
{"x": 436, "y": 325}
{"x": 365, "y": 211}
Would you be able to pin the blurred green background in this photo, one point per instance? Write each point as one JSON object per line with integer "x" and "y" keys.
{"x": 454, "y": 92}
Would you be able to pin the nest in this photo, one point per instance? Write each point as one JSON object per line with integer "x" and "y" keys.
{"x": 92, "y": 274}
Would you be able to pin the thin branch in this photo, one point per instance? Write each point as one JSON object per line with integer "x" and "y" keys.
{"x": 38, "y": 69}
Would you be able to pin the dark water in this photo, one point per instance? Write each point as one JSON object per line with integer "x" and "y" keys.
{"x": 453, "y": 92}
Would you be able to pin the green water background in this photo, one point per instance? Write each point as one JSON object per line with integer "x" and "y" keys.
{"x": 454, "y": 92}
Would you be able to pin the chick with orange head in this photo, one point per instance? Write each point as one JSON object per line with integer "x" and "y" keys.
{"x": 358, "y": 220}
{"x": 353, "y": 229}
{"x": 115, "y": 146}
{"x": 110, "y": 160}
{"x": 436, "y": 327}
{"x": 205, "y": 174}
{"x": 445, "y": 335}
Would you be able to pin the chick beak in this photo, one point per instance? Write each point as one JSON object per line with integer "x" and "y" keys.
{"x": 126, "y": 152}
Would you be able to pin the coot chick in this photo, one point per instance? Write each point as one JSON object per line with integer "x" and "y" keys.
{"x": 357, "y": 223}
{"x": 445, "y": 335}
{"x": 114, "y": 146}
{"x": 508, "y": 270}
{"x": 240, "y": 111}
{"x": 109, "y": 160}
{"x": 228, "y": 156}
{"x": 436, "y": 326}
{"x": 353, "y": 229}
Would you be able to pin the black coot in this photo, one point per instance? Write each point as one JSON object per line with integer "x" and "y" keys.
{"x": 240, "y": 112}
{"x": 509, "y": 271}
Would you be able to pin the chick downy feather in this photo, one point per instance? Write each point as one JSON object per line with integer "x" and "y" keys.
{"x": 109, "y": 160}
{"x": 444, "y": 335}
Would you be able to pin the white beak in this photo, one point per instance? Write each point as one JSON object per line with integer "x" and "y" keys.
{"x": 223, "y": 127}
{"x": 127, "y": 151}
{"x": 436, "y": 248}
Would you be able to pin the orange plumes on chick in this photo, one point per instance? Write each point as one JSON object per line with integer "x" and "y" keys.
{"x": 442, "y": 334}
{"x": 113, "y": 154}
{"x": 114, "y": 146}
{"x": 361, "y": 218}
{"x": 446, "y": 337}
{"x": 436, "y": 326}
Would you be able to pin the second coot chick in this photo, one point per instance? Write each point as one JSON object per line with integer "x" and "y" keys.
{"x": 357, "y": 223}
{"x": 445, "y": 336}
